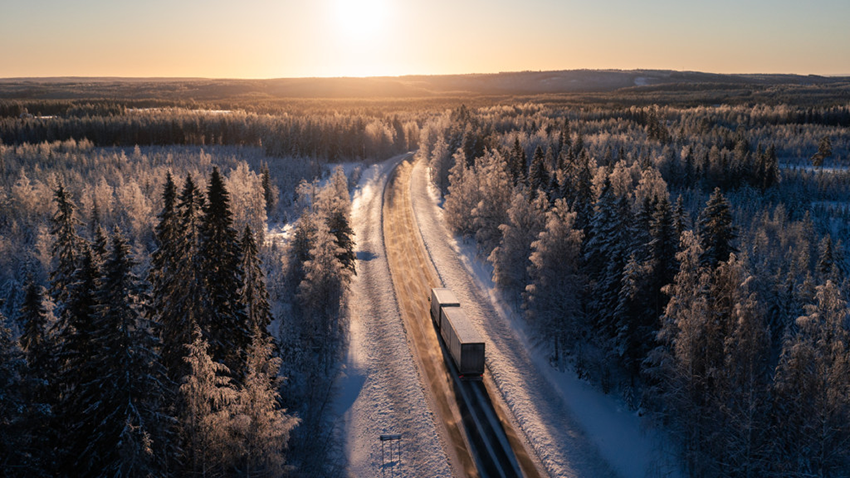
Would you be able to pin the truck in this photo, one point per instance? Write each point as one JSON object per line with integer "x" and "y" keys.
{"x": 461, "y": 338}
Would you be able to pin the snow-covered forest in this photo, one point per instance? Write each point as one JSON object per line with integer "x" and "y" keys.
{"x": 174, "y": 275}
{"x": 688, "y": 259}
{"x": 150, "y": 324}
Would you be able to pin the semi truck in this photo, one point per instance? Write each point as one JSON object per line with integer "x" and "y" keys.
{"x": 461, "y": 338}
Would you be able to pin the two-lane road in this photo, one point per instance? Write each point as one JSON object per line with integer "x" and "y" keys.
{"x": 479, "y": 439}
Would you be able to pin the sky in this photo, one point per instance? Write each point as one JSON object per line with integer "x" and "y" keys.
{"x": 332, "y": 38}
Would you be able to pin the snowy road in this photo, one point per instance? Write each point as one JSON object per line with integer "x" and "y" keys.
{"x": 387, "y": 389}
{"x": 381, "y": 392}
{"x": 479, "y": 440}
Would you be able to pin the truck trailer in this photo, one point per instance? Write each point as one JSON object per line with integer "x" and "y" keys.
{"x": 441, "y": 298}
{"x": 464, "y": 343}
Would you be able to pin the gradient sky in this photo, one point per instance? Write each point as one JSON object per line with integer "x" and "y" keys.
{"x": 305, "y": 38}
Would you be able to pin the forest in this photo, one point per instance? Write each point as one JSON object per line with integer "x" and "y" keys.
{"x": 173, "y": 273}
{"x": 689, "y": 259}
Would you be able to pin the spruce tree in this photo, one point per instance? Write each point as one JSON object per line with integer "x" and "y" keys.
{"x": 336, "y": 206}
{"x": 510, "y": 259}
{"x": 67, "y": 245}
{"x": 606, "y": 254}
{"x": 76, "y": 347}
{"x": 584, "y": 197}
{"x": 268, "y": 190}
{"x": 34, "y": 341}
{"x": 254, "y": 296}
{"x": 225, "y": 321}
{"x": 171, "y": 256}
{"x": 519, "y": 163}
{"x": 124, "y": 422}
{"x": 262, "y": 426}
{"x": 771, "y": 169}
{"x": 716, "y": 231}
{"x": 179, "y": 294}
{"x": 206, "y": 418}
{"x": 13, "y": 425}
{"x": 556, "y": 283}
{"x": 826, "y": 266}
{"x": 633, "y": 336}
{"x": 538, "y": 178}
{"x": 320, "y": 295}
{"x": 813, "y": 390}
{"x": 494, "y": 196}
{"x": 463, "y": 196}
{"x": 663, "y": 247}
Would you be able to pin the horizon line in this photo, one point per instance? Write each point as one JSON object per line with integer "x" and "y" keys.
{"x": 201, "y": 78}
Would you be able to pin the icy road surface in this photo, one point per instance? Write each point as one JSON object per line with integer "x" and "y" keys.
{"x": 381, "y": 392}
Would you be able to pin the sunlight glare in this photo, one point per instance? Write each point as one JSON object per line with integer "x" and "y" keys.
{"x": 361, "y": 18}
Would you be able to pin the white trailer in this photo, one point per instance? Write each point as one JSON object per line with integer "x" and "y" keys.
{"x": 465, "y": 344}
{"x": 441, "y": 298}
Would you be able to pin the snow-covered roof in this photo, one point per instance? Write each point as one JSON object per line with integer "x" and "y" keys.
{"x": 466, "y": 332}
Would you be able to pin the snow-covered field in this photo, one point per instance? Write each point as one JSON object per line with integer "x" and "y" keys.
{"x": 574, "y": 429}
{"x": 380, "y": 391}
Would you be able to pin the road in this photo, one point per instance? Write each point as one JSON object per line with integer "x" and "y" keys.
{"x": 479, "y": 438}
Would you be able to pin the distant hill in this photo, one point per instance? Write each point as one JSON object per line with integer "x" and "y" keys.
{"x": 515, "y": 83}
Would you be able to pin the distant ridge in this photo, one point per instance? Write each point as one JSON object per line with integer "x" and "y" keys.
{"x": 506, "y": 83}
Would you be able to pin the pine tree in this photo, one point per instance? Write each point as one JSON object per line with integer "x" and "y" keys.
{"x": 225, "y": 321}
{"x": 124, "y": 424}
{"x": 206, "y": 418}
{"x": 254, "y": 296}
{"x": 262, "y": 427}
{"x": 716, "y": 231}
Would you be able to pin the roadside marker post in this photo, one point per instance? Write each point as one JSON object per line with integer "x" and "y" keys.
{"x": 394, "y": 450}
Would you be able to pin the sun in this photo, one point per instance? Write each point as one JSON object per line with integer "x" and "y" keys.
{"x": 361, "y": 18}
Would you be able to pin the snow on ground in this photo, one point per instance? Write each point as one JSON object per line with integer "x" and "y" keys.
{"x": 380, "y": 390}
{"x": 574, "y": 429}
